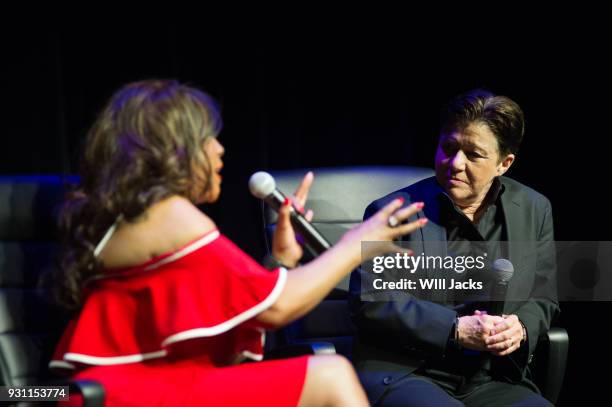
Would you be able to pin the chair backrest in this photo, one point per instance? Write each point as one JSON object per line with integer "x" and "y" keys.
{"x": 29, "y": 324}
{"x": 338, "y": 198}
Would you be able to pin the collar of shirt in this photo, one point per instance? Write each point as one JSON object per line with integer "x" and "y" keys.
{"x": 495, "y": 191}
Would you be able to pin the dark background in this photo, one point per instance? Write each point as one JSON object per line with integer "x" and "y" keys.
{"x": 361, "y": 99}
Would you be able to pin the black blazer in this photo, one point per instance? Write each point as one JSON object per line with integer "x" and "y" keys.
{"x": 395, "y": 337}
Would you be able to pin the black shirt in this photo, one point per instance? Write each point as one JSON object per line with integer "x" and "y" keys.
{"x": 469, "y": 239}
{"x": 463, "y": 369}
{"x": 490, "y": 226}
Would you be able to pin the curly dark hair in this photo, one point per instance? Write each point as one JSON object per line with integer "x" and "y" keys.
{"x": 501, "y": 114}
{"x": 146, "y": 145}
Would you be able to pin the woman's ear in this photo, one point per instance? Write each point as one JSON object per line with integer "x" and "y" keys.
{"x": 505, "y": 164}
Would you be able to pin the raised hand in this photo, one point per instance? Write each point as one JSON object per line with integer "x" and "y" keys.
{"x": 378, "y": 228}
{"x": 285, "y": 247}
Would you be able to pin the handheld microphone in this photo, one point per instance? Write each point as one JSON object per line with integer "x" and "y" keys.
{"x": 263, "y": 186}
{"x": 503, "y": 270}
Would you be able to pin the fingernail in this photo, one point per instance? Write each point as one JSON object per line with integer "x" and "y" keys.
{"x": 296, "y": 205}
{"x": 423, "y": 221}
{"x": 287, "y": 202}
{"x": 401, "y": 200}
{"x": 419, "y": 205}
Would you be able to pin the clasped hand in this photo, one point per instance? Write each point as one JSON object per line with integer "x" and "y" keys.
{"x": 500, "y": 335}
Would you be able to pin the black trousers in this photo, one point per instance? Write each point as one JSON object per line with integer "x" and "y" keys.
{"x": 417, "y": 390}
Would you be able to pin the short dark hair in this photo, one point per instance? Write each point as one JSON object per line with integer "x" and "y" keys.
{"x": 501, "y": 114}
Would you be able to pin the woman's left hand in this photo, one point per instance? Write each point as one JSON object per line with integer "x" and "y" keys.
{"x": 506, "y": 336}
{"x": 285, "y": 247}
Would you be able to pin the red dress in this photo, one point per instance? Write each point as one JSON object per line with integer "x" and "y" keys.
{"x": 171, "y": 332}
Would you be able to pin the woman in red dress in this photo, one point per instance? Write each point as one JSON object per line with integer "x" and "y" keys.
{"x": 168, "y": 306}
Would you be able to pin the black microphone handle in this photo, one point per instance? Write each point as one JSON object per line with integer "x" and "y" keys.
{"x": 498, "y": 296}
{"x": 275, "y": 200}
{"x": 311, "y": 235}
{"x": 313, "y": 238}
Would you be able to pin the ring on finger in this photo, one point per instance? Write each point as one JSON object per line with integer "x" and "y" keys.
{"x": 392, "y": 221}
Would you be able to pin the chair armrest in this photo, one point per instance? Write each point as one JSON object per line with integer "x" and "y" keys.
{"x": 551, "y": 359}
{"x": 92, "y": 392}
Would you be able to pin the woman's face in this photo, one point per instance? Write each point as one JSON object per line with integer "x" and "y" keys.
{"x": 214, "y": 151}
{"x": 467, "y": 161}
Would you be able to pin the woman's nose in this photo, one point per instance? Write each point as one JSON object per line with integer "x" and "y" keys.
{"x": 220, "y": 148}
{"x": 457, "y": 161}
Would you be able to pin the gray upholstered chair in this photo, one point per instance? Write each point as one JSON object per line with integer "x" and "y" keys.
{"x": 30, "y": 325}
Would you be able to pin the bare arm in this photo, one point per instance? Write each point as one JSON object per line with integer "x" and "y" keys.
{"x": 307, "y": 285}
{"x": 177, "y": 221}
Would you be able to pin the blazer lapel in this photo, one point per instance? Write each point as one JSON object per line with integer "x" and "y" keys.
{"x": 433, "y": 236}
{"x": 512, "y": 209}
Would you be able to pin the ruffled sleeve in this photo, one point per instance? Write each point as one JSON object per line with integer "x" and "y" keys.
{"x": 208, "y": 291}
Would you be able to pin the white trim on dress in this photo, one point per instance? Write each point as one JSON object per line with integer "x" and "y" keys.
{"x": 61, "y": 365}
{"x": 206, "y": 239}
{"x": 184, "y": 335}
{"x": 114, "y": 360}
{"x": 237, "y": 320}
{"x": 254, "y": 356}
{"x": 201, "y": 242}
